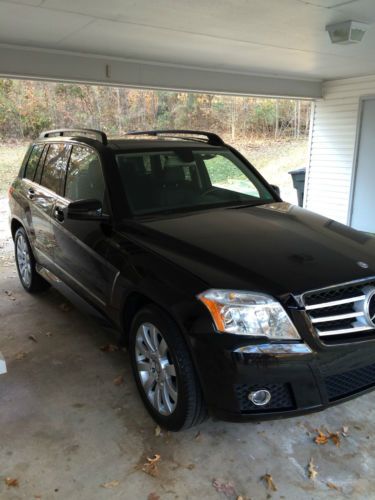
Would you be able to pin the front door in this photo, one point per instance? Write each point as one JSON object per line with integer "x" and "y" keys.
{"x": 363, "y": 211}
{"x": 81, "y": 246}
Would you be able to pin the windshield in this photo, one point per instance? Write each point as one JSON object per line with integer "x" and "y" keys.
{"x": 185, "y": 179}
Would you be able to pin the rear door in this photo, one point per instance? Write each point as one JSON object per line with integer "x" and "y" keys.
{"x": 47, "y": 186}
{"x": 81, "y": 246}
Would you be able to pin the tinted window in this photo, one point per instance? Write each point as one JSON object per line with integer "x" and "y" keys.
{"x": 188, "y": 180}
{"x": 85, "y": 177}
{"x": 33, "y": 161}
{"x": 54, "y": 167}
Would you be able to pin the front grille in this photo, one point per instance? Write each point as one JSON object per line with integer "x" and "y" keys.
{"x": 281, "y": 397}
{"x": 339, "y": 310}
{"x": 348, "y": 383}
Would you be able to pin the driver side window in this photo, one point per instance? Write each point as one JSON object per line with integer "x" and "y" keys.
{"x": 84, "y": 177}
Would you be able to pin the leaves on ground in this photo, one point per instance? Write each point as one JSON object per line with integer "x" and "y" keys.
{"x": 345, "y": 430}
{"x": 151, "y": 466}
{"x": 10, "y": 294}
{"x": 323, "y": 438}
{"x": 311, "y": 469}
{"x": 153, "y": 496}
{"x": 108, "y": 348}
{"x": 198, "y": 436}
{"x": 158, "y": 431}
{"x": 64, "y": 306}
{"x": 11, "y": 482}
{"x": 227, "y": 488}
{"x": 33, "y": 338}
{"x": 110, "y": 484}
{"x": 21, "y": 355}
{"x": 118, "y": 380}
{"x": 332, "y": 486}
{"x": 269, "y": 482}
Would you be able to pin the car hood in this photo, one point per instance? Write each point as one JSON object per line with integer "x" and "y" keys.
{"x": 276, "y": 248}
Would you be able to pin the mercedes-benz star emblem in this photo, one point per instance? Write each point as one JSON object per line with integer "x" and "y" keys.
{"x": 369, "y": 306}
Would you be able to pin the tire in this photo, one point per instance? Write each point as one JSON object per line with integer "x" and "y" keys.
{"x": 166, "y": 380}
{"x": 25, "y": 261}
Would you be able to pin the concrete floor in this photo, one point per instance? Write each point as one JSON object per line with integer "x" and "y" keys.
{"x": 66, "y": 428}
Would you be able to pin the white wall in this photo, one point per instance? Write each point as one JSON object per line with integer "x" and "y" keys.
{"x": 333, "y": 143}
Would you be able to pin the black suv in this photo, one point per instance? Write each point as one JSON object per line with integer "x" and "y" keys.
{"x": 228, "y": 298}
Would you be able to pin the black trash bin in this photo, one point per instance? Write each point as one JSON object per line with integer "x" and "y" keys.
{"x": 298, "y": 178}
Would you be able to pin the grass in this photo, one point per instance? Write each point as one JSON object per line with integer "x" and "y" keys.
{"x": 273, "y": 159}
{"x": 11, "y": 156}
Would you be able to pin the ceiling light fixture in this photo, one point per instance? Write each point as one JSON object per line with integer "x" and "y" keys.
{"x": 347, "y": 32}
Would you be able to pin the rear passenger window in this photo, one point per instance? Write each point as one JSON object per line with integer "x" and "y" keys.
{"x": 54, "y": 167}
{"x": 85, "y": 177}
{"x": 33, "y": 161}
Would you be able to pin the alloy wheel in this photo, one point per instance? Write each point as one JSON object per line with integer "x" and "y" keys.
{"x": 23, "y": 260}
{"x": 156, "y": 370}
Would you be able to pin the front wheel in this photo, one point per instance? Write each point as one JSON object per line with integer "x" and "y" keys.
{"x": 164, "y": 372}
{"x": 30, "y": 279}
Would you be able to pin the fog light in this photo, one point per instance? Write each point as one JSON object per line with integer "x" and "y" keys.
{"x": 260, "y": 397}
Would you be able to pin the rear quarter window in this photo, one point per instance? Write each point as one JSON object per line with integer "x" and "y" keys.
{"x": 33, "y": 161}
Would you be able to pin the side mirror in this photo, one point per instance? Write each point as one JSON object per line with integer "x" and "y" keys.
{"x": 276, "y": 189}
{"x": 86, "y": 210}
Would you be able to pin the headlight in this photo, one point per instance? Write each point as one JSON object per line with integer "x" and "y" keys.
{"x": 248, "y": 313}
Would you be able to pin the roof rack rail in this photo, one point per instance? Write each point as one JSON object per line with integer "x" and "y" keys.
{"x": 212, "y": 138}
{"x": 99, "y": 135}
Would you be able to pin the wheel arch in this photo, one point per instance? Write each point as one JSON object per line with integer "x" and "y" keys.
{"x": 14, "y": 226}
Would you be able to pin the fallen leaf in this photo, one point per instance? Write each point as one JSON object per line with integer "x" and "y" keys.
{"x": 151, "y": 466}
{"x": 157, "y": 431}
{"x": 312, "y": 470}
{"x": 321, "y": 438}
{"x": 64, "y": 306}
{"x": 332, "y": 486}
{"x": 10, "y": 294}
{"x": 11, "y": 482}
{"x": 198, "y": 436}
{"x": 227, "y": 489}
{"x": 268, "y": 481}
{"x": 21, "y": 355}
{"x": 48, "y": 334}
{"x": 345, "y": 430}
{"x": 190, "y": 466}
{"x": 335, "y": 437}
{"x": 33, "y": 338}
{"x": 110, "y": 484}
{"x": 118, "y": 380}
{"x": 108, "y": 348}
{"x": 153, "y": 496}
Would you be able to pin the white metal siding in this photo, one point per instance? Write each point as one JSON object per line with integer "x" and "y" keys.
{"x": 333, "y": 143}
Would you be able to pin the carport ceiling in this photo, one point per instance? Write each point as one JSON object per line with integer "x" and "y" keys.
{"x": 274, "y": 40}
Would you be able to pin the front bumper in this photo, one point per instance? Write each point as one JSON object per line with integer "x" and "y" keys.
{"x": 300, "y": 379}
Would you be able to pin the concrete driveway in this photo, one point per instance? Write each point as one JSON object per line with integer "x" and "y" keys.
{"x": 72, "y": 425}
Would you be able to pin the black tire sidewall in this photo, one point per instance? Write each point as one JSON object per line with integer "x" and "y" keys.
{"x": 176, "y": 344}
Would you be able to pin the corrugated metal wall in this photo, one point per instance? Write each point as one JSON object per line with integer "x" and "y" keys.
{"x": 333, "y": 141}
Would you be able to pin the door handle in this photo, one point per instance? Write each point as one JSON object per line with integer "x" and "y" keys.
{"x": 58, "y": 214}
{"x": 30, "y": 193}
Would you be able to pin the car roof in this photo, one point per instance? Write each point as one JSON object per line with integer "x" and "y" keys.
{"x": 123, "y": 145}
{"x": 148, "y": 144}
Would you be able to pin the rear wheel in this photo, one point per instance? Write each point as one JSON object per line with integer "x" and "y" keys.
{"x": 164, "y": 372}
{"x": 30, "y": 279}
